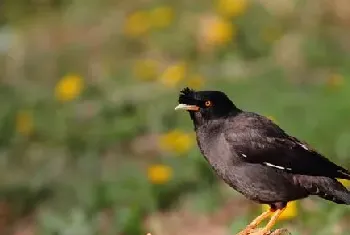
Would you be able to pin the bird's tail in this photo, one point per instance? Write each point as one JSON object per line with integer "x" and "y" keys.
{"x": 339, "y": 197}
{"x": 345, "y": 197}
{"x": 336, "y": 193}
{"x": 332, "y": 190}
{"x": 344, "y": 174}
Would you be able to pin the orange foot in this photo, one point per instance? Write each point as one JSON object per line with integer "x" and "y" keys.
{"x": 249, "y": 229}
{"x": 267, "y": 229}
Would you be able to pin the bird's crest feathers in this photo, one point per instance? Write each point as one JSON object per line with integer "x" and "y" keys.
{"x": 187, "y": 91}
{"x": 186, "y": 95}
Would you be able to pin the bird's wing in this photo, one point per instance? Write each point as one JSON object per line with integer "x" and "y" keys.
{"x": 267, "y": 144}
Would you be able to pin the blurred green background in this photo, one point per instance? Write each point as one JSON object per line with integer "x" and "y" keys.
{"x": 89, "y": 140}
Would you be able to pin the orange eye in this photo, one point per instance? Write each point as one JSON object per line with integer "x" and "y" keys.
{"x": 207, "y": 103}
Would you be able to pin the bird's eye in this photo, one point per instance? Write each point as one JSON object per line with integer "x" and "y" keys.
{"x": 208, "y": 103}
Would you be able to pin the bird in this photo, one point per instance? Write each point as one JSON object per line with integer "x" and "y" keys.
{"x": 257, "y": 158}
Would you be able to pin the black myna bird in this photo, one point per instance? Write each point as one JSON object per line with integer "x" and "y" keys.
{"x": 257, "y": 158}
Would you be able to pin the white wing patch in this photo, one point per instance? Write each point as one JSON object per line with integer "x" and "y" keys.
{"x": 278, "y": 167}
{"x": 303, "y": 146}
{"x": 271, "y": 165}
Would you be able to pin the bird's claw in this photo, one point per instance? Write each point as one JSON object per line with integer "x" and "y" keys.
{"x": 252, "y": 231}
{"x": 261, "y": 232}
{"x": 247, "y": 231}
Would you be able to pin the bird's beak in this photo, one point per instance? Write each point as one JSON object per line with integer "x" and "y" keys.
{"x": 187, "y": 107}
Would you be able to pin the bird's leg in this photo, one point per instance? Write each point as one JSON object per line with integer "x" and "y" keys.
{"x": 256, "y": 222}
{"x": 272, "y": 221}
{"x": 260, "y": 219}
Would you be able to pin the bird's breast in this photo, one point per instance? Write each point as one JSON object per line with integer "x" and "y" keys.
{"x": 217, "y": 152}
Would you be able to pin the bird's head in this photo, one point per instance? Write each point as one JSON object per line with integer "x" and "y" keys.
{"x": 205, "y": 105}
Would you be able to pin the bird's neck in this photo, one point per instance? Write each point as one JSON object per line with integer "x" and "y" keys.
{"x": 199, "y": 120}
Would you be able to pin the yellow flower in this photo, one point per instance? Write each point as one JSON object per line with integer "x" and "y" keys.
{"x": 69, "y": 88}
{"x": 345, "y": 182}
{"x": 173, "y": 74}
{"x": 24, "y": 123}
{"x": 176, "y": 141}
{"x": 159, "y": 174}
{"x": 161, "y": 17}
{"x": 290, "y": 212}
{"x": 335, "y": 81}
{"x": 232, "y": 8}
{"x": 219, "y": 31}
{"x": 137, "y": 24}
{"x": 195, "y": 81}
{"x": 146, "y": 69}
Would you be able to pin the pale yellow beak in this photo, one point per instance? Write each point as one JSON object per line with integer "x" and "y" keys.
{"x": 187, "y": 107}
